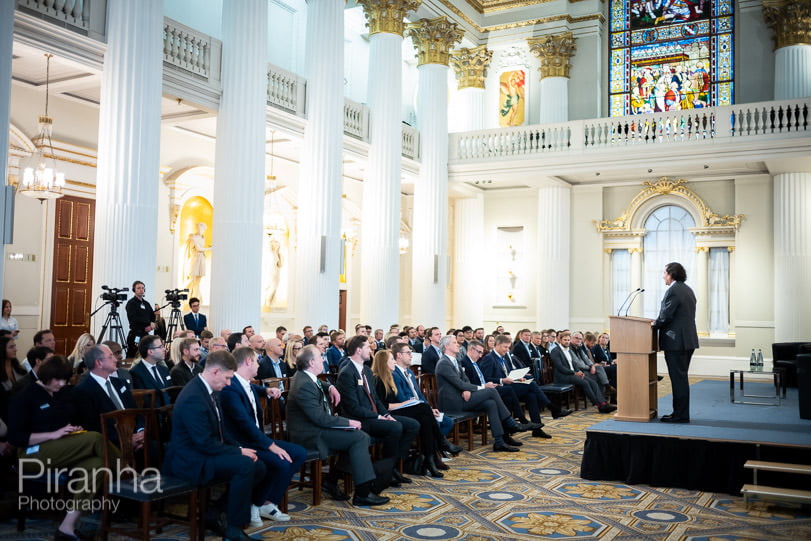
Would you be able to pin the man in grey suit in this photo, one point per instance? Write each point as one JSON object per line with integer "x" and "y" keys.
{"x": 677, "y": 338}
{"x": 312, "y": 425}
{"x": 456, "y": 393}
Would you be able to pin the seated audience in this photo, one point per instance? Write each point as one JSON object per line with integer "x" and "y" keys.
{"x": 565, "y": 371}
{"x": 188, "y": 367}
{"x": 36, "y": 355}
{"x": 150, "y": 372}
{"x": 12, "y": 367}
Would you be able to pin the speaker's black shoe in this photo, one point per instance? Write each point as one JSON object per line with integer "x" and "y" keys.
{"x": 331, "y": 488}
{"x": 504, "y": 448}
{"x": 671, "y": 419}
{"x": 399, "y": 477}
{"x": 369, "y": 499}
{"x": 509, "y": 440}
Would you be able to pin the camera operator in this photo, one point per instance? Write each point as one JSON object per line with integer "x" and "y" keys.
{"x": 141, "y": 318}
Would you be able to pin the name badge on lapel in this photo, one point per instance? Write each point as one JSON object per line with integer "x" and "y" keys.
{"x": 360, "y": 382}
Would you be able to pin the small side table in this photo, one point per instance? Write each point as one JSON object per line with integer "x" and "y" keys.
{"x": 768, "y": 400}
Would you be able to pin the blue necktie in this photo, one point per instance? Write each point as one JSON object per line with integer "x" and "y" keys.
{"x": 479, "y": 372}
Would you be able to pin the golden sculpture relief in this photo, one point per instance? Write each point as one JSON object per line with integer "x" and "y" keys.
{"x": 433, "y": 39}
{"x": 471, "y": 66}
{"x": 555, "y": 53}
{"x": 386, "y": 16}
{"x": 790, "y": 20}
{"x": 665, "y": 186}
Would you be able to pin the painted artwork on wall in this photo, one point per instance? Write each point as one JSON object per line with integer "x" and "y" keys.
{"x": 511, "y": 98}
{"x": 669, "y": 55}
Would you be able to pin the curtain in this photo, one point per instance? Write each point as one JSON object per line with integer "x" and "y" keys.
{"x": 621, "y": 277}
{"x": 719, "y": 292}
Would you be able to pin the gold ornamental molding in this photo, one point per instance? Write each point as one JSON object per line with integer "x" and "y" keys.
{"x": 491, "y": 6}
{"x": 530, "y": 22}
{"x": 707, "y": 222}
{"x": 470, "y": 66}
{"x": 790, "y": 20}
{"x": 386, "y": 16}
{"x": 433, "y": 39}
{"x": 555, "y": 53}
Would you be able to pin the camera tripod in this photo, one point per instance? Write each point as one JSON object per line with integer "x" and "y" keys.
{"x": 113, "y": 323}
{"x": 175, "y": 321}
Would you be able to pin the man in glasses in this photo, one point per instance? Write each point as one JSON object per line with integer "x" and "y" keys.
{"x": 150, "y": 372}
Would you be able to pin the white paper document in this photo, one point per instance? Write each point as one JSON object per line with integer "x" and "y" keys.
{"x": 518, "y": 373}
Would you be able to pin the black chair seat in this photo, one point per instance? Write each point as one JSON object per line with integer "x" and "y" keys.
{"x": 146, "y": 489}
{"x": 557, "y": 387}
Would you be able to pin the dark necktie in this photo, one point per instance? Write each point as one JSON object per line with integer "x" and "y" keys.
{"x": 324, "y": 401}
{"x": 503, "y": 365}
{"x": 114, "y": 396}
{"x": 216, "y": 403}
{"x": 368, "y": 392}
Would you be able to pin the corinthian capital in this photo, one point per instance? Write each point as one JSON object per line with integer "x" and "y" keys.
{"x": 433, "y": 39}
{"x": 790, "y": 20}
{"x": 386, "y": 16}
{"x": 555, "y": 53}
{"x": 471, "y": 66}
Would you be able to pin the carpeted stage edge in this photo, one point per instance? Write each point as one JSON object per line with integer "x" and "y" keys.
{"x": 707, "y": 454}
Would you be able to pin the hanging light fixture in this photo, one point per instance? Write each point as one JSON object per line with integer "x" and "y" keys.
{"x": 40, "y": 179}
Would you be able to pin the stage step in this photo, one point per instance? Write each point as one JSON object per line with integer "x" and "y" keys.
{"x": 778, "y": 466}
{"x": 776, "y": 493}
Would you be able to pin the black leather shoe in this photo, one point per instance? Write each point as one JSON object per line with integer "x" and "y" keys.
{"x": 331, "y": 488}
{"x": 671, "y": 419}
{"x": 232, "y": 533}
{"x": 399, "y": 477}
{"x": 369, "y": 499}
{"x": 440, "y": 465}
{"x": 509, "y": 440}
{"x": 504, "y": 448}
{"x": 561, "y": 413}
{"x": 606, "y": 408}
{"x": 539, "y": 433}
{"x": 451, "y": 447}
{"x": 522, "y": 420}
{"x": 430, "y": 466}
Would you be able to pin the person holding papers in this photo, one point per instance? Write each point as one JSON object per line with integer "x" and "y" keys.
{"x": 403, "y": 398}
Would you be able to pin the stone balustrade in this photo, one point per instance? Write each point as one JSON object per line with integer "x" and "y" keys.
{"x": 286, "y": 90}
{"x": 73, "y": 12}
{"x": 411, "y": 142}
{"x": 356, "y": 119}
{"x": 186, "y": 48}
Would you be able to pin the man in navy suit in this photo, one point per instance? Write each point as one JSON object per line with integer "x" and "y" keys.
{"x": 273, "y": 365}
{"x": 150, "y": 372}
{"x": 677, "y": 338}
{"x": 194, "y": 320}
{"x": 201, "y": 451}
{"x": 431, "y": 354}
{"x": 471, "y": 364}
{"x": 100, "y": 392}
{"x": 336, "y": 349}
{"x": 244, "y": 419}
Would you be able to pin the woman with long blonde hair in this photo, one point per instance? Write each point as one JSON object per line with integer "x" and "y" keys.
{"x": 83, "y": 345}
{"x": 291, "y": 352}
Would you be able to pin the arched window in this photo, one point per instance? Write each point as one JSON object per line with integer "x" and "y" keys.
{"x": 668, "y": 239}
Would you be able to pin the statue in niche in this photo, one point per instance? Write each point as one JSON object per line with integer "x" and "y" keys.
{"x": 196, "y": 259}
{"x": 275, "y": 264}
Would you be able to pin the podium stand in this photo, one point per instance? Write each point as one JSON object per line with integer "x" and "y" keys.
{"x": 634, "y": 341}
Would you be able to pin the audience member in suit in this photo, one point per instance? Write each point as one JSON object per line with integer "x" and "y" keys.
{"x": 200, "y": 450}
{"x": 321, "y": 341}
{"x": 194, "y": 320}
{"x": 188, "y": 367}
{"x": 566, "y": 372}
{"x": 524, "y": 350}
{"x": 205, "y": 344}
{"x": 140, "y": 316}
{"x": 471, "y": 364}
{"x": 677, "y": 338}
{"x": 274, "y": 365}
{"x": 610, "y": 367}
{"x": 101, "y": 392}
{"x": 237, "y": 339}
{"x": 359, "y": 401}
{"x": 431, "y": 354}
{"x": 35, "y": 357}
{"x": 600, "y": 350}
{"x": 415, "y": 339}
{"x": 585, "y": 361}
{"x": 379, "y": 339}
{"x": 335, "y": 352}
{"x": 118, "y": 353}
{"x": 308, "y": 410}
{"x": 243, "y": 420}
{"x": 456, "y": 393}
{"x": 383, "y": 368}
{"x": 149, "y": 372}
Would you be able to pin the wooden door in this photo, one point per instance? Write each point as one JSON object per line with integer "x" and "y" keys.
{"x": 72, "y": 270}
{"x": 342, "y": 309}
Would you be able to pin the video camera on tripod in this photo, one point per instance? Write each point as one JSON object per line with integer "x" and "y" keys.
{"x": 174, "y": 296}
{"x": 114, "y": 295}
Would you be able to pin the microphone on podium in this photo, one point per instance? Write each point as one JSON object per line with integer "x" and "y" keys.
{"x": 626, "y": 300}
{"x": 638, "y": 293}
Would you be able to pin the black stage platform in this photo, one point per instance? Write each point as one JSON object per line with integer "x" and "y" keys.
{"x": 708, "y": 453}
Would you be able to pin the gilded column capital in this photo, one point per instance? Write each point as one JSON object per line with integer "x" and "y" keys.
{"x": 790, "y": 20}
{"x": 386, "y": 16}
{"x": 433, "y": 39}
{"x": 471, "y": 66}
{"x": 555, "y": 53}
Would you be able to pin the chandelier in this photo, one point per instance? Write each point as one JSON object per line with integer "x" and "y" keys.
{"x": 40, "y": 179}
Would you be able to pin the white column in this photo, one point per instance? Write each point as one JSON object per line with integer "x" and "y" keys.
{"x": 430, "y": 233}
{"x": 6, "y": 44}
{"x": 319, "y": 198}
{"x": 554, "y": 232}
{"x": 380, "y": 229}
{"x": 702, "y": 282}
{"x": 470, "y": 109}
{"x": 239, "y": 167}
{"x": 792, "y": 256}
{"x": 554, "y": 100}
{"x": 127, "y": 175}
{"x": 792, "y": 72}
{"x": 468, "y": 308}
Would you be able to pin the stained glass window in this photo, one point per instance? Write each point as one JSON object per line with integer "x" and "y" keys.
{"x": 668, "y": 55}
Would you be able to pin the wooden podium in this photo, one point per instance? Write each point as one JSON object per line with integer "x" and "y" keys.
{"x": 634, "y": 341}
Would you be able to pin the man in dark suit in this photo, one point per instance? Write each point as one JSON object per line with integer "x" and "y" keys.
{"x": 101, "y": 392}
{"x": 188, "y": 367}
{"x": 194, "y": 320}
{"x": 360, "y": 401}
{"x": 473, "y": 370}
{"x": 524, "y": 350}
{"x": 243, "y": 420}
{"x": 35, "y": 357}
{"x": 432, "y": 353}
{"x": 677, "y": 338}
{"x": 150, "y": 372}
{"x": 416, "y": 337}
{"x": 336, "y": 352}
{"x": 308, "y": 410}
{"x": 565, "y": 371}
{"x": 118, "y": 353}
{"x": 455, "y": 393}
{"x": 200, "y": 450}
{"x": 273, "y": 365}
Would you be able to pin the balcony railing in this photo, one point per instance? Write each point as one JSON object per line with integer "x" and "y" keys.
{"x": 356, "y": 119}
{"x": 73, "y": 12}
{"x": 411, "y": 142}
{"x": 773, "y": 119}
{"x": 286, "y": 90}
{"x": 186, "y": 48}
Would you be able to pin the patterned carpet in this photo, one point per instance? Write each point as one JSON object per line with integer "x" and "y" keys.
{"x": 533, "y": 494}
